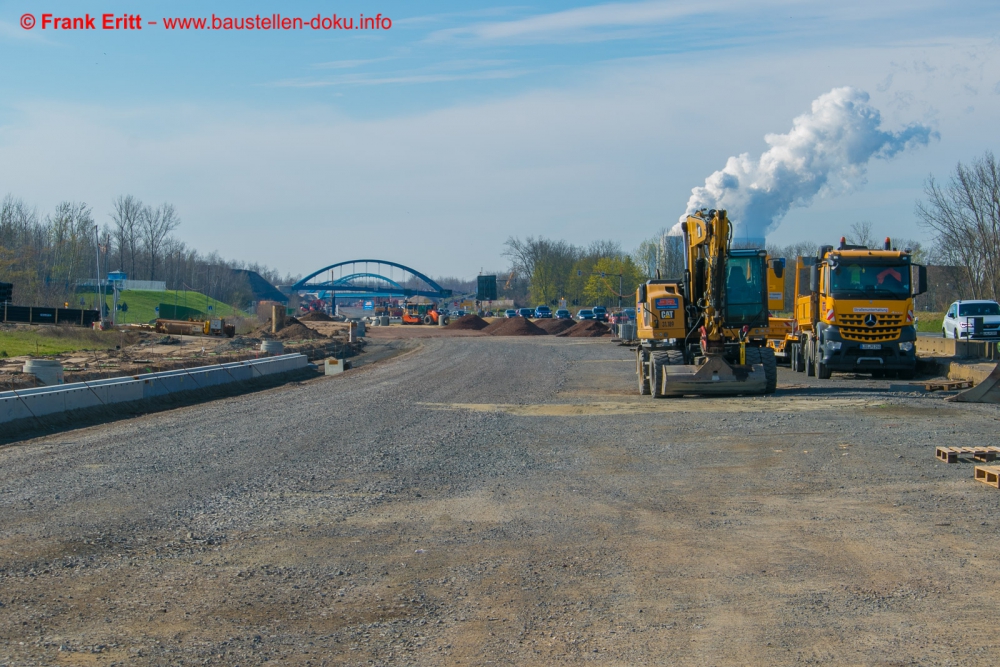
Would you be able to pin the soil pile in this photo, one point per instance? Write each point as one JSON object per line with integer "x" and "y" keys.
{"x": 515, "y": 326}
{"x": 587, "y": 329}
{"x": 316, "y": 316}
{"x": 293, "y": 330}
{"x": 554, "y": 326}
{"x": 470, "y": 322}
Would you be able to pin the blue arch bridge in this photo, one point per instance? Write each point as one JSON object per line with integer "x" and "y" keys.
{"x": 369, "y": 278}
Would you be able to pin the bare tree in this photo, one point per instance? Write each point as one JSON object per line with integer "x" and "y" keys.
{"x": 127, "y": 216}
{"x": 861, "y": 234}
{"x": 965, "y": 216}
{"x": 155, "y": 226}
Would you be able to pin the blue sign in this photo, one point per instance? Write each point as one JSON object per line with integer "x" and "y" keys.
{"x": 210, "y": 308}
{"x": 117, "y": 276}
{"x": 157, "y": 309}
{"x": 669, "y": 303}
{"x": 369, "y": 305}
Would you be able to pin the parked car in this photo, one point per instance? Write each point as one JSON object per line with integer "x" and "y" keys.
{"x": 959, "y": 320}
{"x": 563, "y": 314}
{"x": 622, "y": 316}
{"x": 600, "y": 313}
{"x": 543, "y": 312}
{"x": 525, "y": 312}
{"x": 510, "y": 312}
{"x": 585, "y": 314}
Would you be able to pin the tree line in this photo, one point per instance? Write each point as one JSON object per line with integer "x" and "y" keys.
{"x": 49, "y": 257}
{"x": 543, "y": 272}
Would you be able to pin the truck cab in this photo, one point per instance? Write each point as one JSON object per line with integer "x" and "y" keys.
{"x": 854, "y": 311}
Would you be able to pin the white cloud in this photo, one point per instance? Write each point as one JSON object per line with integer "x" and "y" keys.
{"x": 589, "y": 23}
{"x": 614, "y": 156}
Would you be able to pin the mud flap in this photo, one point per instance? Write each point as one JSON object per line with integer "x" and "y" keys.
{"x": 987, "y": 391}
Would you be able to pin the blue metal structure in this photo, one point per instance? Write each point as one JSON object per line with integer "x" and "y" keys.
{"x": 372, "y": 277}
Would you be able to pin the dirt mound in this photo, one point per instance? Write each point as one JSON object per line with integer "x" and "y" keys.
{"x": 470, "y": 322}
{"x": 316, "y": 316}
{"x": 554, "y": 326}
{"x": 587, "y": 329}
{"x": 293, "y": 330}
{"x": 515, "y": 326}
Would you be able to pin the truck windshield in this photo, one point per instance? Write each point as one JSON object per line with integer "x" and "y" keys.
{"x": 869, "y": 279}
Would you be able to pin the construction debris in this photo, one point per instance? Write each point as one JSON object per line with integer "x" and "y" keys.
{"x": 944, "y": 385}
{"x": 988, "y": 475}
{"x": 514, "y": 326}
{"x": 951, "y": 454}
{"x": 587, "y": 329}
{"x": 470, "y": 322}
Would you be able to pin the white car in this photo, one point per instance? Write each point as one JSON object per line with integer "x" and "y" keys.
{"x": 960, "y": 320}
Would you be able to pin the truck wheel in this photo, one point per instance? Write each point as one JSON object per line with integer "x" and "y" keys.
{"x": 641, "y": 361}
{"x": 810, "y": 358}
{"x": 797, "y": 364}
{"x": 822, "y": 370}
{"x": 428, "y": 319}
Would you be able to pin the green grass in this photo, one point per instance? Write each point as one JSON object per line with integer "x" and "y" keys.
{"x": 929, "y": 322}
{"x": 49, "y": 340}
{"x": 142, "y": 304}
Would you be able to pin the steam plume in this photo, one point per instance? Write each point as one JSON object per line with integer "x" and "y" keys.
{"x": 826, "y": 152}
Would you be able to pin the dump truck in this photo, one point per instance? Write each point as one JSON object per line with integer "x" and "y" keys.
{"x": 706, "y": 332}
{"x": 854, "y": 311}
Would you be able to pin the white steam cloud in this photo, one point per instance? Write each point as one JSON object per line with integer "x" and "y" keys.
{"x": 826, "y": 152}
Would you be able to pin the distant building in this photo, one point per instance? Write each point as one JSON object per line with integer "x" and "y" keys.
{"x": 261, "y": 289}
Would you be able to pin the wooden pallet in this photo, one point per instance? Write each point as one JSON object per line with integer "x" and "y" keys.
{"x": 988, "y": 475}
{"x": 945, "y": 385}
{"x": 951, "y": 454}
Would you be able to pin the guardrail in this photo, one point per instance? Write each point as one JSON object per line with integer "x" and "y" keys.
{"x": 41, "y": 401}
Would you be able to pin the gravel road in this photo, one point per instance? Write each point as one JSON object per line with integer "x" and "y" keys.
{"x": 484, "y": 500}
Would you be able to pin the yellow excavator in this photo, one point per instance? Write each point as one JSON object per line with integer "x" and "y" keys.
{"x": 695, "y": 333}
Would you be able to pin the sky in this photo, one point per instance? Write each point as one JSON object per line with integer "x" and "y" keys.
{"x": 433, "y": 139}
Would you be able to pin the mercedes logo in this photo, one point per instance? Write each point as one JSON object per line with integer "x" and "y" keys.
{"x": 870, "y": 320}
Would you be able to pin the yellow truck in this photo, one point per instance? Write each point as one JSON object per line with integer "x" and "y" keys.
{"x": 854, "y": 311}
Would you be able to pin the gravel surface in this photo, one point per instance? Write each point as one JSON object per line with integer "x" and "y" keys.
{"x": 480, "y": 500}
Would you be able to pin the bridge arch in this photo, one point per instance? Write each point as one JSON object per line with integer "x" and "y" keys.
{"x": 356, "y": 277}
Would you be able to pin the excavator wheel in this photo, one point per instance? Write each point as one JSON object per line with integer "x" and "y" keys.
{"x": 641, "y": 361}
{"x": 656, "y": 363}
{"x": 765, "y": 357}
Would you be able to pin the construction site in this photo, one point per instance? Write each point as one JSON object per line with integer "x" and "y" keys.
{"x": 607, "y": 332}
{"x": 511, "y": 490}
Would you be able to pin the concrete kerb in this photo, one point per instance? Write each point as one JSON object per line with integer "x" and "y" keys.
{"x": 24, "y": 408}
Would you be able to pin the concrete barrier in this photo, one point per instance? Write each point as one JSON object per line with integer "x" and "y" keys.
{"x": 960, "y": 349}
{"x": 41, "y": 401}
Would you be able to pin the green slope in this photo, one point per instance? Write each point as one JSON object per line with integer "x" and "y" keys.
{"x": 142, "y": 304}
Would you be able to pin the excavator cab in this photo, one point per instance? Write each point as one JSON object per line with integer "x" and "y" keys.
{"x": 746, "y": 297}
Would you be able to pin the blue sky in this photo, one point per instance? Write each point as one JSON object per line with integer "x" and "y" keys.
{"x": 432, "y": 142}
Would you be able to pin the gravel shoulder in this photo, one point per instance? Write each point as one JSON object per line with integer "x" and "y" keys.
{"x": 481, "y": 500}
